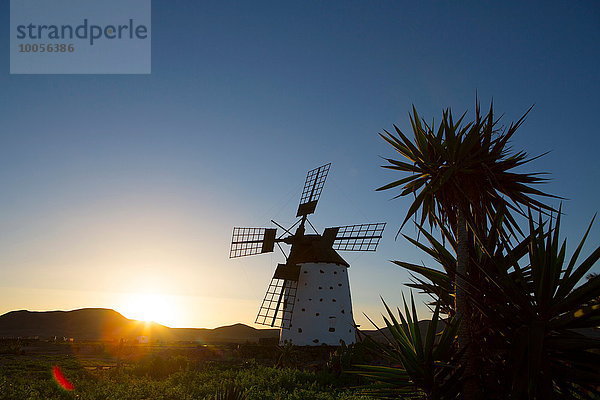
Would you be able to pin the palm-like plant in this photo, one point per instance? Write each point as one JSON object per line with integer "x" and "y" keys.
{"x": 288, "y": 355}
{"x": 535, "y": 319}
{"x": 462, "y": 171}
{"x": 545, "y": 313}
{"x": 422, "y": 365}
{"x": 438, "y": 284}
{"x": 462, "y": 176}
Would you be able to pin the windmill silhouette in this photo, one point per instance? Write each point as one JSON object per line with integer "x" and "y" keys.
{"x": 309, "y": 296}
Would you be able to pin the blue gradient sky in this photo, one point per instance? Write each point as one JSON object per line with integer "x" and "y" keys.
{"x": 117, "y": 186}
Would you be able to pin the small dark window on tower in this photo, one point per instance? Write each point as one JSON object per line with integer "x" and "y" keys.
{"x": 305, "y": 284}
{"x": 331, "y": 329}
{"x": 320, "y": 299}
{"x": 339, "y": 284}
{"x": 309, "y": 299}
{"x": 306, "y": 272}
{"x": 299, "y": 330}
{"x": 330, "y": 287}
{"x": 304, "y": 309}
{"x": 320, "y": 287}
{"x": 333, "y": 300}
{"x": 343, "y": 312}
{"x": 335, "y": 272}
{"x": 298, "y": 300}
{"x": 316, "y": 341}
{"x": 317, "y": 314}
{"x": 321, "y": 271}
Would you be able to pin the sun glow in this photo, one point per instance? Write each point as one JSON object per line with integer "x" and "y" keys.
{"x": 150, "y": 307}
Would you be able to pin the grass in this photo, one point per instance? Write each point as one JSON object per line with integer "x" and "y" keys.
{"x": 158, "y": 376}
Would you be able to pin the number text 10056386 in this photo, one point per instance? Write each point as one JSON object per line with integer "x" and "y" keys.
{"x": 46, "y": 48}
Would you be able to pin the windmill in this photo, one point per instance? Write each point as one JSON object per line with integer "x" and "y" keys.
{"x": 309, "y": 295}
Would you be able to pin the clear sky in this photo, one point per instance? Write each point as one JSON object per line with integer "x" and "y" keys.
{"x": 121, "y": 191}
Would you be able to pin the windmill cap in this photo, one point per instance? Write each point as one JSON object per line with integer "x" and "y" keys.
{"x": 314, "y": 249}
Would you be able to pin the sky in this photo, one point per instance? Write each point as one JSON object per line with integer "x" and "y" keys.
{"x": 121, "y": 191}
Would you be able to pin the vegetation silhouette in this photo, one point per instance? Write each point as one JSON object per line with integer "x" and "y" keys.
{"x": 463, "y": 181}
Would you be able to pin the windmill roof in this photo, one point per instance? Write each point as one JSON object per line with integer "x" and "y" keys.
{"x": 316, "y": 249}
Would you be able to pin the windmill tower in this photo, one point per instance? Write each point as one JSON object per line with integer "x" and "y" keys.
{"x": 309, "y": 295}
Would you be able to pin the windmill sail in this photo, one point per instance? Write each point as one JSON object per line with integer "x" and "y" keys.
{"x": 250, "y": 241}
{"x": 362, "y": 237}
{"x": 278, "y": 304}
{"x": 313, "y": 186}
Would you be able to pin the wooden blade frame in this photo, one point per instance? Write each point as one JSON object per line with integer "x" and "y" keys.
{"x": 363, "y": 237}
{"x": 278, "y": 305}
{"x": 313, "y": 186}
{"x": 250, "y": 241}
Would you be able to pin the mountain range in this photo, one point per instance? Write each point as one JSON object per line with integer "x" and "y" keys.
{"x": 107, "y": 324}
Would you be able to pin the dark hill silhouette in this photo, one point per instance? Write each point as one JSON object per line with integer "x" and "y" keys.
{"x": 231, "y": 333}
{"x": 106, "y": 324}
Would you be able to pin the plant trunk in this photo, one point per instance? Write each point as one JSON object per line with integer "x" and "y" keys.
{"x": 463, "y": 312}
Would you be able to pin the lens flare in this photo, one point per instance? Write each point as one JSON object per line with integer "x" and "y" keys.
{"x": 60, "y": 378}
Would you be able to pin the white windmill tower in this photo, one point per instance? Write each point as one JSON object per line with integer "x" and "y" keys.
{"x": 309, "y": 295}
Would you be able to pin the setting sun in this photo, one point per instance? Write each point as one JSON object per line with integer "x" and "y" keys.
{"x": 150, "y": 307}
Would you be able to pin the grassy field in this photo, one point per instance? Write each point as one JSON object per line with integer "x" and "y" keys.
{"x": 100, "y": 371}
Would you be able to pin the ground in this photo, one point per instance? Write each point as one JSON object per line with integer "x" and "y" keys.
{"x": 170, "y": 371}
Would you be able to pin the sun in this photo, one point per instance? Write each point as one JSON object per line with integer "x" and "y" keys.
{"x": 148, "y": 307}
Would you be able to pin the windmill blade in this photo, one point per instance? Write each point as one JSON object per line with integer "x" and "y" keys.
{"x": 250, "y": 241}
{"x": 278, "y": 304}
{"x": 363, "y": 237}
{"x": 315, "y": 180}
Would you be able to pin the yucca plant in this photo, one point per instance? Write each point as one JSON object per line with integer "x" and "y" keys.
{"x": 420, "y": 365}
{"x": 462, "y": 176}
{"x": 438, "y": 284}
{"x": 463, "y": 171}
{"x": 544, "y": 314}
{"x": 535, "y": 320}
{"x": 287, "y": 355}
